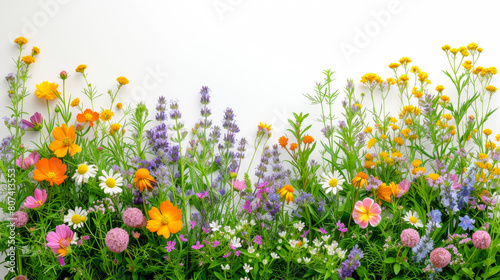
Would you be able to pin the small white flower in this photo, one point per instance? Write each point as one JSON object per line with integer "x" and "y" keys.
{"x": 293, "y": 242}
{"x": 252, "y": 222}
{"x": 279, "y": 248}
{"x": 312, "y": 251}
{"x": 325, "y": 237}
{"x": 317, "y": 243}
{"x": 257, "y": 255}
{"x": 412, "y": 218}
{"x": 299, "y": 260}
{"x": 76, "y": 217}
{"x": 307, "y": 260}
{"x": 84, "y": 172}
{"x": 282, "y": 234}
{"x": 332, "y": 183}
{"x": 300, "y": 225}
{"x": 110, "y": 182}
{"x": 264, "y": 261}
{"x": 227, "y": 267}
{"x": 238, "y": 227}
{"x": 340, "y": 253}
{"x": 274, "y": 255}
{"x": 244, "y": 278}
{"x": 331, "y": 252}
{"x": 305, "y": 240}
{"x": 280, "y": 241}
{"x": 214, "y": 226}
{"x": 236, "y": 242}
{"x": 251, "y": 250}
{"x": 227, "y": 228}
{"x": 247, "y": 268}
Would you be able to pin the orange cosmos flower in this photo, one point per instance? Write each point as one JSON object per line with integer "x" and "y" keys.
{"x": 293, "y": 146}
{"x": 88, "y": 116}
{"x": 143, "y": 180}
{"x": 385, "y": 191}
{"x": 50, "y": 170}
{"x": 64, "y": 141}
{"x": 308, "y": 139}
{"x": 360, "y": 180}
{"x": 165, "y": 222}
{"x": 283, "y": 141}
{"x": 287, "y": 191}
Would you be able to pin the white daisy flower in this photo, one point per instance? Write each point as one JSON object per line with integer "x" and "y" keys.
{"x": 214, "y": 226}
{"x": 226, "y": 267}
{"x": 412, "y": 218}
{"x": 251, "y": 250}
{"x": 84, "y": 172}
{"x": 317, "y": 243}
{"x": 247, "y": 268}
{"x": 274, "y": 255}
{"x": 76, "y": 217}
{"x": 300, "y": 225}
{"x": 331, "y": 182}
{"x": 236, "y": 242}
{"x": 111, "y": 183}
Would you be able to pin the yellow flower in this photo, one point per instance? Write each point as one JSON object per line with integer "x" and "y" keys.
{"x": 422, "y": 76}
{"x": 81, "y": 68}
{"x": 497, "y": 137}
{"x": 143, "y": 180}
{"x": 482, "y": 156}
{"x": 368, "y": 156}
{"x": 447, "y": 116}
{"x": 28, "y": 59}
{"x": 454, "y": 51}
{"x": 394, "y": 127}
{"x": 408, "y": 121}
{"x": 417, "y": 93}
{"x": 122, "y": 80}
{"x": 391, "y": 81}
{"x": 46, "y": 90}
{"x": 472, "y": 46}
{"x": 487, "y": 132}
{"x": 383, "y": 136}
{"x": 405, "y": 60}
{"x": 445, "y": 98}
{"x": 75, "y": 102}
{"x": 394, "y": 65}
{"x": 479, "y": 50}
{"x": 360, "y": 180}
{"x": 119, "y": 106}
{"x": 491, "y": 88}
{"x": 415, "y": 170}
{"x": 265, "y": 126}
{"x": 368, "y": 130}
{"x": 400, "y": 141}
{"x": 106, "y": 115}
{"x": 416, "y": 163}
{"x": 35, "y": 51}
{"x": 287, "y": 192}
{"x": 446, "y": 48}
{"x": 369, "y": 164}
{"x": 393, "y": 120}
{"x": 440, "y": 88}
{"x": 21, "y": 41}
{"x": 369, "y": 78}
{"x": 385, "y": 192}
{"x": 467, "y": 65}
{"x": 404, "y": 78}
{"x": 415, "y": 69}
{"x": 434, "y": 176}
{"x": 371, "y": 143}
{"x": 406, "y": 132}
{"x": 114, "y": 128}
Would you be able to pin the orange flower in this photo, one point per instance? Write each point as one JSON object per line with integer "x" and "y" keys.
{"x": 21, "y": 41}
{"x": 75, "y": 102}
{"x": 293, "y": 146}
{"x": 360, "y": 180}
{"x": 50, "y": 170}
{"x": 47, "y": 90}
{"x": 283, "y": 141}
{"x": 81, "y": 68}
{"x": 88, "y": 116}
{"x": 385, "y": 191}
{"x": 28, "y": 59}
{"x": 287, "y": 191}
{"x": 64, "y": 141}
{"x": 122, "y": 80}
{"x": 308, "y": 139}
{"x": 143, "y": 180}
{"x": 166, "y": 222}
{"x": 119, "y": 105}
{"x": 35, "y": 51}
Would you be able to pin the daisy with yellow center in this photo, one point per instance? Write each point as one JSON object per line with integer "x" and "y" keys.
{"x": 76, "y": 217}
{"x": 84, "y": 172}
{"x": 143, "y": 180}
{"x": 111, "y": 183}
{"x": 287, "y": 192}
{"x": 412, "y": 218}
{"x": 165, "y": 221}
{"x": 331, "y": 183}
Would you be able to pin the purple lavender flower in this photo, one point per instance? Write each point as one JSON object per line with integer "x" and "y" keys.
{"x": 35, "y": 123}
{"x": 352, "y": 263}
{"x": 435, "y": 216}
{"x": 10, "y": 77}
{"x": 5, "y": 148}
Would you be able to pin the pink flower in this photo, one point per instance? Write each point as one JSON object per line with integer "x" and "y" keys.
{"x": 366, "y": 211}
{"x": 198, "y": 246}
{"x": 28, "y": 161}
{"x": 133, "y": 217}
{"x": 440, "y": 257}
{"x": 322, "y": 231}
{"x": 202, "y": 194}
{"x": 410, "y": 237}
{"x": 182, "y": 238}
{"x": 35, "y": 123}
{"x": 404, "y": 186}
{"x": 239, "y": 185}
{"x": 481, "y": 239}
{"x": 19, "y": 218}
{"x": 60, "y": 241}
{"x": 37, "y": 201}
{"x": 116, "y": 240}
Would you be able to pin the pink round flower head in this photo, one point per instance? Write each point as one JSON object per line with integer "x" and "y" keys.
{"x": 481, "y": 239}
{"x": 20, "y": 277}
{"x": 440, "y": 257}
{"x": 410, "y": 237}
{"x": 133, "y": 217}
{"x": 144, "y": 222}
{"x": 20, "y": 218}
{"x": 117, "y": 240}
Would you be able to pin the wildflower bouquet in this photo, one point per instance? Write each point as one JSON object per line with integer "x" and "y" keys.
{"x": 113, "y": 193}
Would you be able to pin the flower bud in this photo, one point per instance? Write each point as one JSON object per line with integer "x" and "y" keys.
{"x": 63, "y": 75}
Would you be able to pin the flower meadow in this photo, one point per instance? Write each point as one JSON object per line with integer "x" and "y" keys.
{"x": 126, "y": 192}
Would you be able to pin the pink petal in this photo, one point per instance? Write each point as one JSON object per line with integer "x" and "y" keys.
{"x": 362, "y": 224}
{"x": 44, "y": 196}
{"x": 375, "y": 209}
{"x": 367, "y": 203}
{"x": 374, "y": 220}
{"x": 38, "y": 194}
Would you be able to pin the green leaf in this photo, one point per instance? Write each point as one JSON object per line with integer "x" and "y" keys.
{"x": 390, "y": 260}
{"x": 490, "y": 273}
{"x": 219, "y": 275}
{"x": 397, "y": 268}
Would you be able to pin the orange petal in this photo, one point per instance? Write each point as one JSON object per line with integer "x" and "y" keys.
{"x": 166, "y": 207}
{"x": 71, "y": 133}
{"x": 56, "y": 145}
{"x": 165, "y": 231}
{"x": 154, "y": 213}
{"x": 58, "y": 133}
{"x": 37, "y": 175}
{"x": 73, "y": 149}
{"x": 153, "y": 225}
{"x": 175, "y": 214}
{"x": 65, "y": 130}
{"x": 175, "y": 226}
{"x": 61, "y": 152}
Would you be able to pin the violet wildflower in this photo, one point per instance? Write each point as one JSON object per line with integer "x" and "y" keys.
{"x": 35, "y": 123}
{"x": 197, "y": 246}
{"x": 61, "y": 261}
{"x": 322, "y": 231}
{"x": 258, "y": 239}
{"x": 466, "y": 223}
{"x": 352, "y": 263}
{"x": 182, "y": 238}
{"x": 10, "y": 77}
{"x": 170, "y": 246}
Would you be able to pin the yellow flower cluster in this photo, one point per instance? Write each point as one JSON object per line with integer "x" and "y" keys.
{"x": 369, "y": 78}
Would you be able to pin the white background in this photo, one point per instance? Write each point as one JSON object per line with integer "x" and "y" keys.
{"x": 257, "y": 57}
